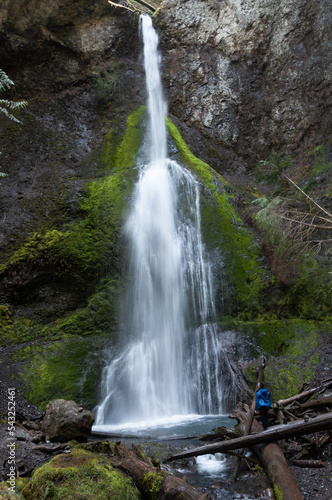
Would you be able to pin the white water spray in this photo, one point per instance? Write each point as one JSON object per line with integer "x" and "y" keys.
{"x": 165, "y": 368}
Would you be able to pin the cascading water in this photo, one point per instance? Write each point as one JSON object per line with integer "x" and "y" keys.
{"x": 165, "y": 368}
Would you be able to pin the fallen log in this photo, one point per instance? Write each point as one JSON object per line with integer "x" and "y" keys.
{"x": 307, "y": 463}
{"x": 133, "y": 8}
{"x": 304, "y": 394}
{"x": 220, "y": 433}
{"x": 325, "y": 402}
{"x": 272, "y": 434}
{"x": 274, "y": 463}
{"x": 151, "y": 481}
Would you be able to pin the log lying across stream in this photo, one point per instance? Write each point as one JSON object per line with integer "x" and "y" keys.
{"x": 272, "y": 434}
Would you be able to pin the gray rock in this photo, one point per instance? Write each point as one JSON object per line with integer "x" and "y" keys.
{"x": 66, "y": 420}
{"x": 254, "y": 77}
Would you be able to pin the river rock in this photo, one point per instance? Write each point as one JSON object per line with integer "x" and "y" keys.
{"x": 66, "y": 420}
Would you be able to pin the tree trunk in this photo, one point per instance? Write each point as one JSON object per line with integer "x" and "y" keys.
{"x": 151, "y": 481}
{"x": 276, "y": 433}
{"x": 325, "y": 402}
{"x": 305, "y": 394}
{"x": 280, "y": 474}
{"x": 274, "y": 462}
{"x": 249, "y": 421}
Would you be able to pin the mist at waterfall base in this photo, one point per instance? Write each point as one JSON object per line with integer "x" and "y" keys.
{"x": 169, "y": 377}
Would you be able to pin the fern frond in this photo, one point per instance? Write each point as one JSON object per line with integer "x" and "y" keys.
{"x": 13, "y": 105}
{"x": 5, "y": 82}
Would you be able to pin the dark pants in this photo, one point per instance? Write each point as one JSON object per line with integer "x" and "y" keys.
{"x": 263, "y": 414}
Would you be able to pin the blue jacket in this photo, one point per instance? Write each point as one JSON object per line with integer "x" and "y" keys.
{"x": 263, "y": 398}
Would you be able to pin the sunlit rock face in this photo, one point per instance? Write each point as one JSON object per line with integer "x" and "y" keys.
{"x": 253, "y": 76}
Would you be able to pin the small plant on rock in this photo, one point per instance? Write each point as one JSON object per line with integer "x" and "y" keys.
{"x": 7, "y": 107}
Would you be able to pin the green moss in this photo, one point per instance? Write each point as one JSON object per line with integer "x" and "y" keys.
{"x": 79, "y": 475}
{"x": 290, "y": 348}
{"x": 123, "y": 157}
{"x": 91, "y": 251}
{"x": 34, "y": 247}
{"x": 310, "y": 294}
{"x": 320, "y": 166}
{"x": 152, "y": 484}
{"x": 96, "y": 318}
{"x": 69, "y": 369}
{"x": 19, "y": 330}
{"x": 6, "y": 494}
{"x": 5, "y": 316}
{"x": 223, "y": 228}
{"x": 277, "y": 492}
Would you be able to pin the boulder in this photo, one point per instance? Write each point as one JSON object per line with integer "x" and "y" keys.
{"x": 79, "y": 475}
{"x": 66, "y": 420}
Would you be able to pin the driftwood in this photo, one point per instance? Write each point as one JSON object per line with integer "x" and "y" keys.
{"x": 272, "y": 434}
{"x": 323, "y": 440}
{"x": 24, "y": 428}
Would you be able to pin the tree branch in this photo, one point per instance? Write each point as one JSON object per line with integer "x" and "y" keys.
{"x": 307, "y": 196}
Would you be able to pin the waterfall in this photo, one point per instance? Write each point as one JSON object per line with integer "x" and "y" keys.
{"x": 164, "y": 367}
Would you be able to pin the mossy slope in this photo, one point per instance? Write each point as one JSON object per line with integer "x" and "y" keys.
{"x": 243, "y": 273}
{"x": 291, "y": 348}
{"x": 87, "y": 255}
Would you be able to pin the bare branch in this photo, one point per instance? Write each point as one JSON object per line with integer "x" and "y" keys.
{"x": 119, "y": 5}
{"x": 307, "y": 196}
{"x": 314, "y": 226}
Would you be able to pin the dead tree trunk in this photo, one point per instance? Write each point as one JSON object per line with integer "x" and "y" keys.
{"x": 305, "y": 394}
{"x": 274, "y": 463}
{"x": 325, "y": 402}
{"x": 276, "y": 433}
{"x": 150, "y": 480}
{"x": 249, "y": 421}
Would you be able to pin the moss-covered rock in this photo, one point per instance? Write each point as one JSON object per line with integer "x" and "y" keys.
{"x": 12, "y": 490}
{"x": 291, "y": 349}
{"x": 69, "y": 369}
{"x": 79, "y": 475}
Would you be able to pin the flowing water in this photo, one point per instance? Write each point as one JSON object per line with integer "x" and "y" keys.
{"x": 172, "y": 365}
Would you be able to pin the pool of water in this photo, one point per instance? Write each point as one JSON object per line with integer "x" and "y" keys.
{"x": 169, "y": 428}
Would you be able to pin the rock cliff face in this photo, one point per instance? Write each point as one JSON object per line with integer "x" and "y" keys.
{"x": 253, "y": 77}
{"x": 71, "y": 62}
